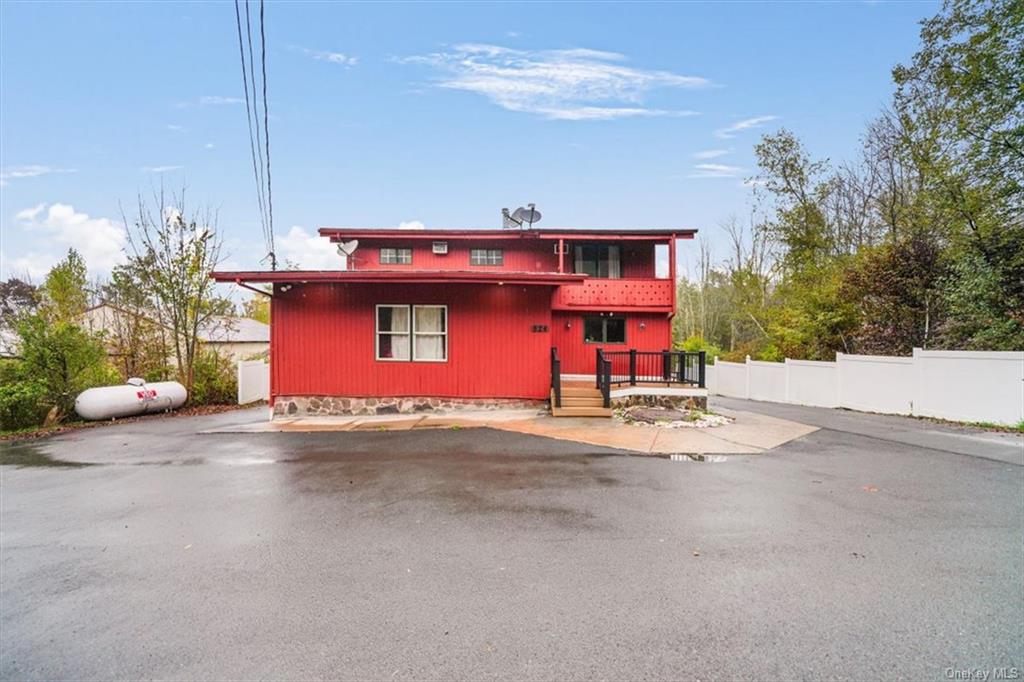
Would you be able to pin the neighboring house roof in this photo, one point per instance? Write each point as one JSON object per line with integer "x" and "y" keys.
{"x": 235, "y": 330}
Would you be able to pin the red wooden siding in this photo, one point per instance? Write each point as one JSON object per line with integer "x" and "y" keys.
{"x": 519, "y": 256}
{"x": 612, "y": 293}
{"x": 322, "y": 342}
{"x": 578, "y": 357}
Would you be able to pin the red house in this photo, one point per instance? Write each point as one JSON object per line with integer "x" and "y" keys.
{"x": 422, "y": 319}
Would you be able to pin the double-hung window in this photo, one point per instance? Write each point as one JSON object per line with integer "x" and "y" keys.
{"x": 393, "y": 326}
{"x": 393, "y": 256}
{"x": 486, "y": 257}
{"x": 412, "y": 332}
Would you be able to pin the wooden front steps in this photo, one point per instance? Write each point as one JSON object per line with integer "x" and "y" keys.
{"x": 580, "y": 401}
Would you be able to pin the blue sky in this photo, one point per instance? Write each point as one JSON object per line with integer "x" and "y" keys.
{"x": 632, "y": 115}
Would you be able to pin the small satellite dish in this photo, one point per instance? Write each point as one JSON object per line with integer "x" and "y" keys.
{"x": 348, "y": 248}
{"x": 507, "y": 221}
{"x": 528, "y": 215}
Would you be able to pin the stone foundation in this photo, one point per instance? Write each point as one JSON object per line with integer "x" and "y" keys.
{"x": 675, "y": 402}
{"x": 323, "y": 406}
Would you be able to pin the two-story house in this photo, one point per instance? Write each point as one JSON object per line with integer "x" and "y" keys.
{"x": 427, "y": 318}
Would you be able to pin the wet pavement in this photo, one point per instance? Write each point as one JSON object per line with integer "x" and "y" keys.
{"x": 865, "y": 549}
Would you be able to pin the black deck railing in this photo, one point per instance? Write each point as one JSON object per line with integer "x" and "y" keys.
{"x": 651, "y": 367}
{"x": 556, "y": 378}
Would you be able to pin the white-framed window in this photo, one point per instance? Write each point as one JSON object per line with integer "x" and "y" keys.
{"x": 411, "y": 332}
{"x": 486, "y": 257}
{"x": 430, "y": 333}
{"x": 395, "y": 256}
{"x": 393, "y": 327}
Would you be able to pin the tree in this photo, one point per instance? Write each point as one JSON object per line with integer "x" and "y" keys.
{"x": 258, "y": 308}
{"x": 960, "y": 104}
{"x": 65, "y": 290}
{"x": 134, "y": 337}
{"x": 174, "y": 251}
{"x": 17, "y": 298}
{"x": 64, "y": 358}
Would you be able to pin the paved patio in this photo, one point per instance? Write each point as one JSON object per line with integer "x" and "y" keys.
{"x": 749, "y": 433}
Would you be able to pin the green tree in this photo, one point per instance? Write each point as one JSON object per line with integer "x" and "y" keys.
{"x": 63, "y": 358}
{"x": 65, "y": 290}
{"x": 258, "y": 308}
{"x": 961, "y": 104}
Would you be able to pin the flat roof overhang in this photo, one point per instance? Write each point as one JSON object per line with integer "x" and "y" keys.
{"x": 647, "y": 234}
{"x": 398, "y": 277}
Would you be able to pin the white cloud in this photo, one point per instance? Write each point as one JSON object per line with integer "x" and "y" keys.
{"x": 160, "y": 169}
{"x": 208, "y": 145}
{"x": 308, "y": 251}
{"x": 339, "y": 58}
{"x": 745, "y": 124}
{"x": 211, "y": 101}
{"x": 175, "y": 127}
{"x": 411, "y": 225}
{"x": 34, "y": 171}
{"x": 575, "y": 84}
{"x": 711, "y": 153}
{"x": 715, "y": 170}
{"x": 58, "y": 227}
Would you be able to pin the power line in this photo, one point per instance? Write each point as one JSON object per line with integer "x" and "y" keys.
{"x": 257, "y": 142}
{"x": 266, "y": 139}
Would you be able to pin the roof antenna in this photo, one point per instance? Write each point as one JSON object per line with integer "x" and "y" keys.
{"x": 520, "y": 216}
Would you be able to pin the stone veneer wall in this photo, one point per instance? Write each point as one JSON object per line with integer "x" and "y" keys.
{"x": 322, "y": 406}
{"x": 677, "y": 402}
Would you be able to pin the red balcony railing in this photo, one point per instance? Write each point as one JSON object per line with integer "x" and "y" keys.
{"x": 615, "y": 293}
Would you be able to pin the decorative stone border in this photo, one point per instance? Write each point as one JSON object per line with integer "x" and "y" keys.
{"x": 324, "y": 406}
{"x": 676, "y": 402}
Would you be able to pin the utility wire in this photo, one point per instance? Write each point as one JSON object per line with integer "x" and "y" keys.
{"x": 252, "y": 118}
{"x": 266, "y": 139}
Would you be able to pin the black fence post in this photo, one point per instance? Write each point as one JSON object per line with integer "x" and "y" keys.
{"x": 556, "y": 378}
{"x": 701, "y": 369}
{"x": 598, "y": 366}
{"x": 632, "y": 366}
{"x": 666, "y": 365}
{"x": 684, "y": 361}
{"x": 606, "y": 389}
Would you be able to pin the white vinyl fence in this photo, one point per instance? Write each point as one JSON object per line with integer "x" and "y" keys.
{"x": 253, "y": 381}
{"x": 970, "y": 386}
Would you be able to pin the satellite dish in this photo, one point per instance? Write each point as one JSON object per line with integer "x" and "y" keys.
{"x": 348, "y": 248}
{"x": 528, "y": 215}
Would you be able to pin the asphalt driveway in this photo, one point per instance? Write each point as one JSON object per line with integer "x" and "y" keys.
{"x": 875, "y": 547}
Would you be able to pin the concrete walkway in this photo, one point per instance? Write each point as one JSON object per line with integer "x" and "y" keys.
{"x": 750, "y": 433}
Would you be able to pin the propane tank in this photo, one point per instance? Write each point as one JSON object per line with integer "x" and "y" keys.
{"x": 133, "y": 398}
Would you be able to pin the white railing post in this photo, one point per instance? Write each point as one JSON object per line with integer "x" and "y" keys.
{"x": 746, "y": 367}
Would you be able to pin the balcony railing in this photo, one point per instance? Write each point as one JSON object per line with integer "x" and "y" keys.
{"x": 665, "y": 367}
{"x": 610, "y": 293}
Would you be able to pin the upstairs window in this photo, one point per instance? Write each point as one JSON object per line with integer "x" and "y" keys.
{"x": 390, "y": 256}
{"x": 486, "y": 257}
{"x": 598, "y": 260}
{"x": 604, "y": 330}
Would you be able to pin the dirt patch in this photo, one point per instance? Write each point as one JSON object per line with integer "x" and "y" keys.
{"x": 671, "y": 417}
{"x": 191, "y": 411}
